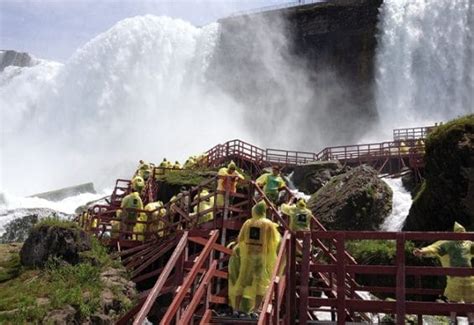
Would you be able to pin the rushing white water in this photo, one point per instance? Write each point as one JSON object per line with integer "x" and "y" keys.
{"x": 425, "y": 61}
{"x": 137, "y": 91}
{"x": 400, "y": 206}
{"x": 11, "y": 204}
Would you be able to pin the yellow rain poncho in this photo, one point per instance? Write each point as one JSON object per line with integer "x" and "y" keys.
{"x": 144, "y": 170}
{"x": 190, "y": 163}
{"x": 258, "y": 243}
{"x": 455, "y": 253}
{"x": 177, "y": 165}
{"x": 132, "y": 201}
{"x": 138, "y": 184}
{"x": 228, "y": 179}
{"x": 155, "y": 212}
{"x": 203, "y": 206}
{"x": 271, "y": 184}
{"x": 404, "y": 148}
{"x": 234, "y": 267}
{"x": 300, "y": 216}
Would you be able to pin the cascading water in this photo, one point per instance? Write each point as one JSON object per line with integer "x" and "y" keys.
{"x": 137, "y": 91}
{"x": 425, "y": 61}
{"x": 401, "y": 204}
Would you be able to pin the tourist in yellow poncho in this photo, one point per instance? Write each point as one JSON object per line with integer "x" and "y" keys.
{"x": 454, "y": 253}
{"x": 138, "y": 184}
{"x": 271, "y": 183}
{"x": 154, "y": 215}
{"x": 204, "y": 204}
{"x": 258, "y": 243}
{"x": 300, "y": 215}
{"x": 228, "y": 178}
{"x": 129, "y": 217}
{"x": 144, "y": 170}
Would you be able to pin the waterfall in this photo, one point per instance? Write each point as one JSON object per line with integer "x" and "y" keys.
{"x": 401, "y": 204}
{"x": 425, "y": 61}
{"x": 136, "y": 91}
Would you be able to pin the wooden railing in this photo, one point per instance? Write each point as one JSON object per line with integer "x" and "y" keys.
{"x": 164, "y": 276}
{"x": 371, "y": 151}
{"x": 206, "y": 255}
{"x": 360, "y": 153}
{"x": 275, "y": 295}
{"x": 345, "y": 301}
{"x": 411, "y": 133}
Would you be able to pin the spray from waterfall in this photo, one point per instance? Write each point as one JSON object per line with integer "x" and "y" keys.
{"x": 425, "y": 62}
{"x": 136, "y": 91}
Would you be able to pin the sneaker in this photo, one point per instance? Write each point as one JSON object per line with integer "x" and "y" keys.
{"x": 254, "y": 315}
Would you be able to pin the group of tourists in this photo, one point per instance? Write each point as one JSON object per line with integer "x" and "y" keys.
{"x": 254, "y": 253}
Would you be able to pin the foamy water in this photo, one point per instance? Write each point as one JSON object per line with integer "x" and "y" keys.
{"x": 400, "y": 207}
{"x": 11, "y": 204}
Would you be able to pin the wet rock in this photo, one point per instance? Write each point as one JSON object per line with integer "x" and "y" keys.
{"x": 355, "y": 200}
{"x": 14, "y": 58}
{"x": 100, "y": 319}
{"x": 309, "y": 178}
{"x": 62, "y": 316}
{"x": 48, "y": 241}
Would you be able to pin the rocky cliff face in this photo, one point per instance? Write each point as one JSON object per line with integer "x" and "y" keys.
{"x": 315, "y": 60}
{"x": 14, "y": 58}
{"x": 447, "y": 194}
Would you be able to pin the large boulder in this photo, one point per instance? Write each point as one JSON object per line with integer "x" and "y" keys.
{"x": 447, "y": 194}
{"x": 47, "y": 241}
{"x": 309, "y": 178}
{"x": 355, "y": 200}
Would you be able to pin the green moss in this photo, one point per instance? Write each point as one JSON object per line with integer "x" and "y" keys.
{"x": 55, "y": 221}
{"x": 443, "y": 196}
{"x": 183, "y": 177}
{"x": 10, "y": 268}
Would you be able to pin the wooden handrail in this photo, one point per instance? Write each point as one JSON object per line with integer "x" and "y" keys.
{"x": 191, "y": 308}
{"x": 150, "y": 300}
{"x": 267, "y": 308}
{"x": 183, "y": 289}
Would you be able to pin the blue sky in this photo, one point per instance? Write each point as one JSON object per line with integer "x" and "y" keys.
{"x": 54, "y": 29}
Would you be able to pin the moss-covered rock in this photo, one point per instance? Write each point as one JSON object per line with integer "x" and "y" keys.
{"x": 54, "y": 238}
{"x": 355, "y": 200}
{"x": 447, "y": 194}
{"x": 172, "y": 182}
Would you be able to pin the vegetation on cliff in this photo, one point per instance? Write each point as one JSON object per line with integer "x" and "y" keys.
{"x": 95, "y": 288}
{"x": 447, "y": 194}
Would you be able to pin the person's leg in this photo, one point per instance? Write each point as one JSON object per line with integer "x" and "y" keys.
{"x": 238, "y": 299}
{"x": 258, "y": 301}
{"x": 470, "y": 317}
{"x": 452, "y": 318}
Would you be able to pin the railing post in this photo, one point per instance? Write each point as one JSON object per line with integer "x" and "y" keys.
{"x": 400, "y": 293}
{"x": 341, "y": 279}
{"x": 304, "y": 279}
{"x": 291, "y": 282}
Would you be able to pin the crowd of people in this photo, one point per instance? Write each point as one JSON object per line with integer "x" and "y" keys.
{"x": 254, "y": 253}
